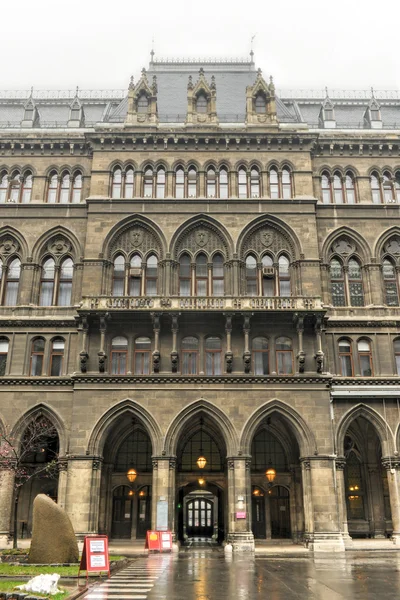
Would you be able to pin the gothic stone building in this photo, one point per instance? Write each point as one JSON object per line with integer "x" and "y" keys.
{"x": 203, "y": 268}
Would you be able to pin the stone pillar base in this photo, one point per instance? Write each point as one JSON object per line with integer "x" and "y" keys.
{"x": 241, "y": 542}
{"x": 5, "y": 540}
{"x": 396, "y": 538}
{"x": 327, "y": 542}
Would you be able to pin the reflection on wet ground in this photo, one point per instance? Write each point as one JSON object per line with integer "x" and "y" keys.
{"x": 203, "y": 574}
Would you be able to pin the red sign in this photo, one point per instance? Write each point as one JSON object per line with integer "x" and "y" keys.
{"x": 95, "y": 555}
{"x": 159, "y": 541}
{"x": 241, "y": 515}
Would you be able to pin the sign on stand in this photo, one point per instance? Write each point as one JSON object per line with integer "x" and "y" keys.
{"x": 159, "y": 541}
{"x": 95, "y": 555}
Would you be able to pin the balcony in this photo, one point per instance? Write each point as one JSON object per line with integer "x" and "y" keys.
{"x": 196, "y": 303}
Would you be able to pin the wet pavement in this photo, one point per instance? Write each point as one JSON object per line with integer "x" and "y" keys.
{"x": 209, "y": 574}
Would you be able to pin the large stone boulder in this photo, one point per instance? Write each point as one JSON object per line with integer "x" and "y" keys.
{"x": 53, "y": 537}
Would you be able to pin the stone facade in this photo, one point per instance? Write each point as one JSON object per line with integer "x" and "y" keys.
{"x": 177, "y": 285}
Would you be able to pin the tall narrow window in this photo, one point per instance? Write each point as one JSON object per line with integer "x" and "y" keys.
{"x": 47, "y": 283}
{"x": 135, "y": 275}
{"x": 56, "y": 357}
{"x": 37, "y": 356}
{"x": 192, "y": 183}
{"x": 337, "y": 283}
{"x": 3, "y": 188}
{"x": 337, "y": 188}
{"x": 151, "y": 275}
{"x": 65, "y": 283}
{"x": 26, "y": 189}
{"x": 161, "y": 183}
{"x": 255, "y": 183}
{"x": 356, "y": 290}
{"x": 286, "y": 183}
{"x": 143, "y": 104}
{"x": 190, "y": 349}
{"x": 242, "y": 182}
{"x": 213, "y": 361}
{"x": 354, "y": 488}
{"x": 15, "y": 187}
{"x": 184, "y": 275}
{"x": 350, "y": 189}
{"x": 390, "y": 283}
{"x": 201, "y": 104}
{"x": 65, "y": 188}
{"x": 273, "y": 184}
{"x": 52, "y": 189}
{"x": 251, "y": 276}
{"x": 119, "y": 355}
{"x": 284, "y": 356}
{"x": 261, "y": 105}
{"x": 388, "y": 188}
{"x": 201, "y": 275}
{"x": 397, "y": 186}
{"x": 284, "y": 276}
{"x": 376, "y": 189}
{"x": 211, "y": 183}
{"x": 116, "y": 183}
{"x": 148, "y": 183}
{"x": 12, "y": 282}
{"x": 77, "y": 188}
{"x": 118, "y": 288}
{"x": 223, "y": 183}
{"x": 326, "y": 189}
{"x": 180, "y": 183}
{"x": 3, "y": 355}
{"x": 260, "y": 356}
{"x": 345, "y": 358}
{"x": 365, "y": 358}
{"x": 218, "y": 275}
{"x": 268, "y": 278}
{"x": 396, "y": 347}
{"x": 129, "y": 181}
{"x": 142, "y": 355}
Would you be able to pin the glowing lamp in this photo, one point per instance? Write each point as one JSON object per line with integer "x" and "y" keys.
{"x": 201, "y": 462}
{"x": 270, "y": 474}
{"x": 131, "y": 475}
{"x": 201, "y": 481}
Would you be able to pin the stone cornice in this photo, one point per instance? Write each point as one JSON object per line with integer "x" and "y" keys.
{"x": 367, "y": 381}
{"x": 36, "y": 381}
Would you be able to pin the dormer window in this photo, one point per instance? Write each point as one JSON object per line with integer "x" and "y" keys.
{"x": 201, "y": 104}
{"x": 142, "y": 104}
{"x": 261, "y": 106}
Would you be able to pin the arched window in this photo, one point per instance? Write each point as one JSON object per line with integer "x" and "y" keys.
{"x": 201, "y": 275}
{"x": 337, "y": 283}
{"x": 65, "y": 188}
{"x": 3, "y": 188}
{"x": 350, "y": 188}
{"x": 223, "y": 183}
{"x": 326, "y": 188}
{"x": 37, "y": 357}
{"x": 211, "y": 183}
{"x": 76, "y": 188}
{"x": 26, "y": 193}
{"x": 15, "y": 186}
{"x": 284, "y": 276}
{"x": 179, "y": 183}
{"x": 260, "y": 351}
{"x": 261, "y": 105}
{"x": 254, "y": 183}
{"x": 268, "y": 276}
{"x": 192, "y": 183}
{"x": 396, "y": 348}
{"x": 65, "y": 283}
{"x": 148, "y": 183}
{"x": 388, "y": 192}
{"x": 57, "y": 357}
{"x": 218, "y": 275}
{"x": 337, "y": 188}
{"x": 251, "y": 276}
{"x": 365, "y": 358}
{"x": 135, "y": 275}
{"x": 397, "y": 186}
{"x": 190, "y": 349}
{"x": 286, "y": 183}
{"x": 142, "y": 355}
{"x": 356, "y": 290}
{"x": 267, "y": 450}
{"x": 201, "y": 104}
{"x": 160, "y": 183}
{"x": 143, "y": 104}
{"x": 135, "y": 449}
{"x": 213, "y": 362}
{"x": 390, "y": 282}
{"x": 345, "y": 358}
{"x": 376, "y": 189}
{"x": 47, "y": 283}
{"x": 129, "y": 182}
{"x": 151, "y": 275}
{"x": 273, "y": 184}
{"x": 52, "y": 189}
{"x": 116, "y": 183}
{"x": 4, "y": 344}
{"x": 184, "y": 275}
{"x": 354, "y": 488}
{"x": 284, "y": 356}
{"x": 118, "y": 288}
{"x": 12, "y": 282}
{"x": 242, "y": 182}
{"x": 119, "y": 355}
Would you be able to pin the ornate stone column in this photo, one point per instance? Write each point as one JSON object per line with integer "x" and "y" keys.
{"x": 174, "y": 351}
{"x": 83, "y": 493}
{"x": 239, "y": 530}
{"x": 307, "y": 500}
{"x": 62, "y": 481}
{"x": 301, "y": 355}
{"x": 228, "y": 353}
{"x": 392, "y": 465}
{"x": 377, "y": 501}
{"x": 340, "y": 464}
{"x": 319, "y": 355}
{"x": 247, "y": 353}
{"x": 102, "y": 353}
{"x": 6, "y": 504}
{"x": 164, "y": 488}
{"x": 156, "y": 352}
{"x": 83, "y": 355}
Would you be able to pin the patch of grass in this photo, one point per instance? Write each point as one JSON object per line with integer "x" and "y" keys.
{"x": 116, "y": 557}
{"x": 9, "y": 586}
{"x": 30, "y": 570}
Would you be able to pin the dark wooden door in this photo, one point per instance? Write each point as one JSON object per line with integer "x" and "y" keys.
{"x": 280, "y": 512}
{"x": 199, "y": 518}
{"x": 122, "y": 513}
{"x": 258, "y": 517}
{"x": 144, "y": 512}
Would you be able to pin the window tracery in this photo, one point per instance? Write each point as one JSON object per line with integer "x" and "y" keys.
{"x": 16, "y": 187}
{"x": 64, "y": 189}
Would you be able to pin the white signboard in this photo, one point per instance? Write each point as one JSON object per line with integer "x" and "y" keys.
{"x": 97, "y": 546}
{"x": 98, "y": 561}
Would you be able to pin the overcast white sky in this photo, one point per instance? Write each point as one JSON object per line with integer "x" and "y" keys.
{"x": 58, "y": 44}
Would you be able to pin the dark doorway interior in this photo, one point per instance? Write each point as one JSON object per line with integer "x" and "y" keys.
{"x": 122, "y": 512}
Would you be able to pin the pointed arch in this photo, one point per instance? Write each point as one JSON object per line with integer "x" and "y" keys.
{"x": 40, "y": 247}
{"x": 383, "y": 239}
{"x": 182, "y": 420}
{"x": 363, "y": 250}
{"x": 41, "y": 410}
{"x": 381, "y": 427}
{"x": 100, "y": 431}
{"x": 278, "y": 226}
{"x": 304, "y": 435}
{"x": 122, "y": 227}
{"x": 12, "y": 234}
{"x": 198, "y": 222}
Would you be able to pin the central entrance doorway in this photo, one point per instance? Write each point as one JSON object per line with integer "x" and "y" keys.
{"x": 200, "y": 516}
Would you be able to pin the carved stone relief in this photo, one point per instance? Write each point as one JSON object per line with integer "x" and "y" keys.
{"x": 266, "y": 237}
{"x": 343, "y": 246}
{"x": 59, "y": 245}
{"x": 8, "y": 245}
{"x": 136, "y": 236}
{"x": 393, "y": 246}
{"x": 202, "y": 237}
